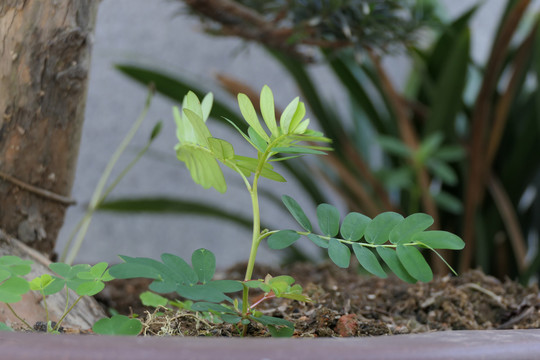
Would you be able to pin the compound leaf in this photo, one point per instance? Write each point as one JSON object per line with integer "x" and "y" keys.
{"x": 436, "y": 239}
{"x": 297, "y": 212}
{"x": 378, "y": 230}
{"x": 287, "y": 115}
{"x": 414, "y": 263}
{"x": 339, "y": 253}
{"x": 249, "y": 114}
{"x": 222, "y": 149}
{"x": 368, "y": 260}
{"x": 317, "y": 240}
{"x": 328, "y": 218}
{"x": 411, "y": 225}
{"x": 353, "y": 226}
{"x": 282, "y": 239}
{"x": 390, "y": 257}
{"x": 268, "y": 110}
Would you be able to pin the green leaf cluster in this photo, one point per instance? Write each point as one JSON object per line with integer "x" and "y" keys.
{"x": 388, "y": 237}
{"x": 279, "y": 286}
{"x": 12, "y": 283}
{"x": 201, "y": 152}
{"x": 83, "y": 279}
{"x": 174, "y": 274}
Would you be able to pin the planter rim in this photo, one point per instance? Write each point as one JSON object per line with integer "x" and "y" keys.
{"x": 462, "y": 345}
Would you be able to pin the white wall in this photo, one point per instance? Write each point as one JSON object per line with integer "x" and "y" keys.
{"x": 151, "y": 32}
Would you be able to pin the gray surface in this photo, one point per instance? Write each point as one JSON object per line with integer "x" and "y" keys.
{"x": 149, "y": 32}
{"x": 458, "y": 345}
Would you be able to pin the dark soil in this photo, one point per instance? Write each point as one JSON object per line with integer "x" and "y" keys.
{"x": 348, "y": 304}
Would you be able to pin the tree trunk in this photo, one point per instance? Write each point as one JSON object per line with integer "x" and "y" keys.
{"x": 44, "y": 63}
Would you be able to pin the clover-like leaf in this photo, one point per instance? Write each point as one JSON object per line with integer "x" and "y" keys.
{"x": 4, "y": 274}
{"x": 436, "y": 239}
{"x": 282, "y": 239}
{"x": 378, "y": 230}
{"x": 68, "y": 275}
{"x": 117, "y": 325}
{"x": 414, "y": 263}
{"x": 328, "y": 218}
{"x": 368, "y": 260}
{"x": 339, "y": 253}
{"x": 296, "y": 211}
{"x": 90, "y": 288}
{"x": 412, "y": 224}
{"x": 15, "y": 265}
{"x": 353, "y": 226}
{"x": 178, "y": 269}
{"x": 204, "y": 264}
{"x": 47, "y": 284}
{"x": 5, "y": 327}
{"x": 12, "y": 289}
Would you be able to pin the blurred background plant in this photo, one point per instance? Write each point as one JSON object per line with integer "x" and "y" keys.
{"x": 459, "y": 142}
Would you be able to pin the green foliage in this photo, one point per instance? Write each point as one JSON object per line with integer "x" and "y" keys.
{"x": 12, "y": 284}
{"x": 83, "y": 279}
{"x": 448, "y": 93}
{"x": 4, "y": 327}
{"x": 201, "y": 152}
{"x": 117, "y": 325}
{"x": 149, "y": 298}
{"x": 393, "y": 237}
{"x": 195, "y": 283}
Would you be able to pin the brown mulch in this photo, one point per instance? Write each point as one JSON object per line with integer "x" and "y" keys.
{"x": 349, "y": 304}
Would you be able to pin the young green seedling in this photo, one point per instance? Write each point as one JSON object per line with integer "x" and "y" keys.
{"x": 287, "y": 138}
{"x": 84, "y": 279}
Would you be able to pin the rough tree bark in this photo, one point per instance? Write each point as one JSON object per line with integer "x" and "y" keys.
{"x": 44, "y": 62}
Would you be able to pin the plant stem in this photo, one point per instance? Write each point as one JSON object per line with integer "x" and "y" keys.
{"x": 256, "y": 231}
{"x": 67, "y": 312}
{"x": 70, "y": 252}
{"x": 45, "y": 305}
{"x": 18, "y": 317}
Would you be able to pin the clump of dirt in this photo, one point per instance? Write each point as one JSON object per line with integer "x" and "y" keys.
{"x": 348, "y": 304}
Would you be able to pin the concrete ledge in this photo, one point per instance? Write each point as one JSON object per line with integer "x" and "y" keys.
{"x": 462, "y": 345}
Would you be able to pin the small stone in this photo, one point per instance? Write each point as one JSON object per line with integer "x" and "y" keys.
{"x": 347, "y": 325}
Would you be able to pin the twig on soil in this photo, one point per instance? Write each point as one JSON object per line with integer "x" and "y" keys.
{"x": 516, "y": 319}
{"x": 489, "y": 293}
